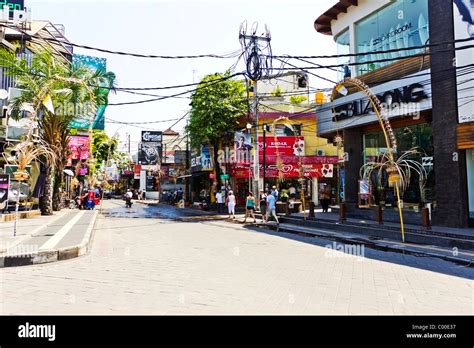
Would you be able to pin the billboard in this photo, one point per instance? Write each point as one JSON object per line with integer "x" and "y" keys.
{"x": 78, "y": 147}
{"x": 152, "y": 136}
{"x": 149, "y": 153}
{"x": 464, "y": 29}
{"x": 82, "y": 121}
{"x": 283, "y": 145}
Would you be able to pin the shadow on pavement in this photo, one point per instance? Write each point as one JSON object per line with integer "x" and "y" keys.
{"x": 423, "y": 262}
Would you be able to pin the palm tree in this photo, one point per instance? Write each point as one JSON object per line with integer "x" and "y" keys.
{"x": 48, "y": 81}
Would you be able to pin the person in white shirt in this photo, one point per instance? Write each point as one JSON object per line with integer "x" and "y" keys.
{"x": 231, "y": 204}
{"x": 220, "y": 201}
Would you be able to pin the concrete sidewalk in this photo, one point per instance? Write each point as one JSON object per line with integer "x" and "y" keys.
{"x": 65, "y": 235}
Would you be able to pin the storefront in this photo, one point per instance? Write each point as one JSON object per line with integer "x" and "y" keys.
{"x": 407, "y": 104}
{"x": 421, "y": 95}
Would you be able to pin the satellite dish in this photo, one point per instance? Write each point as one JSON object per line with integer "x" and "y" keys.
{"x": 3, "y": 94}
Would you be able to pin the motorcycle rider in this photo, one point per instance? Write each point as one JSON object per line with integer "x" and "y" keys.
{"x": 128, "y": 198}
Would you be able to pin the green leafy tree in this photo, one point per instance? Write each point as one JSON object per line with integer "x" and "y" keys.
{"x": 216, "y": 107}
{"x": 48, "y": 83}
{"x": 104, "y": 148}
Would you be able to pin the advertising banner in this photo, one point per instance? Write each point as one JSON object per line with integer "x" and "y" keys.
{"x": 304, "y": 159}
{"x": 289, "y": 171}
{"x": 79, "y": 147}
{"x": 284, "y": 145}
{"x": 149, "y": 153}
{"x": 98, "y": 122}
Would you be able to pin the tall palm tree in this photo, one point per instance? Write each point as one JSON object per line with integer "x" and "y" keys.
{"x": 47, "y": 83}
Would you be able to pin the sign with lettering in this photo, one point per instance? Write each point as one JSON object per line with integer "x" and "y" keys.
{"x": 152, "y": 136}
{"x": 406, "y": 97}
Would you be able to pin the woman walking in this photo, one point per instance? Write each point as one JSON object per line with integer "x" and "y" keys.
{"x": 249, "y": 207}
{"x": 231, "y": 204}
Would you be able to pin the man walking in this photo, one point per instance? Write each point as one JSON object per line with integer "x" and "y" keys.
{"x": 271, "y": 207}
{"x": 231, "y": 204}
{"x": 220, "y": 201}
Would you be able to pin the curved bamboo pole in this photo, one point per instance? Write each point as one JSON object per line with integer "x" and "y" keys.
{"x": 384, "y": 124}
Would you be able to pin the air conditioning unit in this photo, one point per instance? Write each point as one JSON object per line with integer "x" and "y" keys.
{"x": 321, "y": 153}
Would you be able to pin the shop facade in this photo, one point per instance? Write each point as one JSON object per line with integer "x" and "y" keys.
{"x": 418, "y": 96}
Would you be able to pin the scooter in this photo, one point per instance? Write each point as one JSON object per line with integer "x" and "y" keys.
{"x": 128, "y": 202}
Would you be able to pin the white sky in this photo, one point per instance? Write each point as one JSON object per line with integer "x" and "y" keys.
{"x": 179, "y": 28}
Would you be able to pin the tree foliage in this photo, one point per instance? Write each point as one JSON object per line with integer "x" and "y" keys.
{"x": 55, "y": 92}
{"x": 103, "y": 148}
{"x": 216, "y": 108}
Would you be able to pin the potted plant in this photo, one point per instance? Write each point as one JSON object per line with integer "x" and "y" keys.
{"x": 284, "y": 196}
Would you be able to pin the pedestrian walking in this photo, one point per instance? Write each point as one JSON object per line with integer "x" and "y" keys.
{"x": 231, "y": 204}
{"x": 250, "y": 207}
{"x": 271, "y": 207}
{"x": 275, "y": 192}
{"x": 220, "y": 201}
{"x": 325, "y": 197}
{"x": 263, "y": 206}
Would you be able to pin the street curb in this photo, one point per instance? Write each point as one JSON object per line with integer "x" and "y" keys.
{"x": 34, "y": 232}
{"x": 384, "y": 246}
{"x": 48, "y": 256}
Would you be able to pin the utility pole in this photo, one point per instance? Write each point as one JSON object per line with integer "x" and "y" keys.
{"x": 257, "y": 65}
{"x": 188, "y": 165}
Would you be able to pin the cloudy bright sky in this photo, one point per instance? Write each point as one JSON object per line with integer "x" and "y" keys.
{"x": 179, "y": 28}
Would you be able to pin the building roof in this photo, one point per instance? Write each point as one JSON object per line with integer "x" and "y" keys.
{"x": 169, "y": 131}
{"x": 43, "y": 34}
{"x": 323, "y": 23}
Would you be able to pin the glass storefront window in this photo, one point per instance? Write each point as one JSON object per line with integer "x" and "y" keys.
{"x": 416, "y": 136}
{"x": 402, "y": 24}
{"x": 343, "y": 47}
{"x": 470, "y": 180}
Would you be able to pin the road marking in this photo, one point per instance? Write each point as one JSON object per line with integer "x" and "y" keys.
{"x": 54, "y": 240}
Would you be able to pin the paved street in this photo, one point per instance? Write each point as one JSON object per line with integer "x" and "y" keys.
{"x": 143, "y": 265}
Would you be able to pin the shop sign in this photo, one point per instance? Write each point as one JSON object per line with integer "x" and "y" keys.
{"x": 413, "y": 93}
{"x": 407, "y": 97}
{"x": 304, "y": 159}
{"x": 152, "y": 136}
{"x": 288, "y": 171}
{"x": 283, "y": 145}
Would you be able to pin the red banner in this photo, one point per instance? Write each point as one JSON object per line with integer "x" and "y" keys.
{"x": 296, "y": 160}
{"x": 136, "y": 171}
{"x": 286, "y": 145}
{"x": 288, "y": 171}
